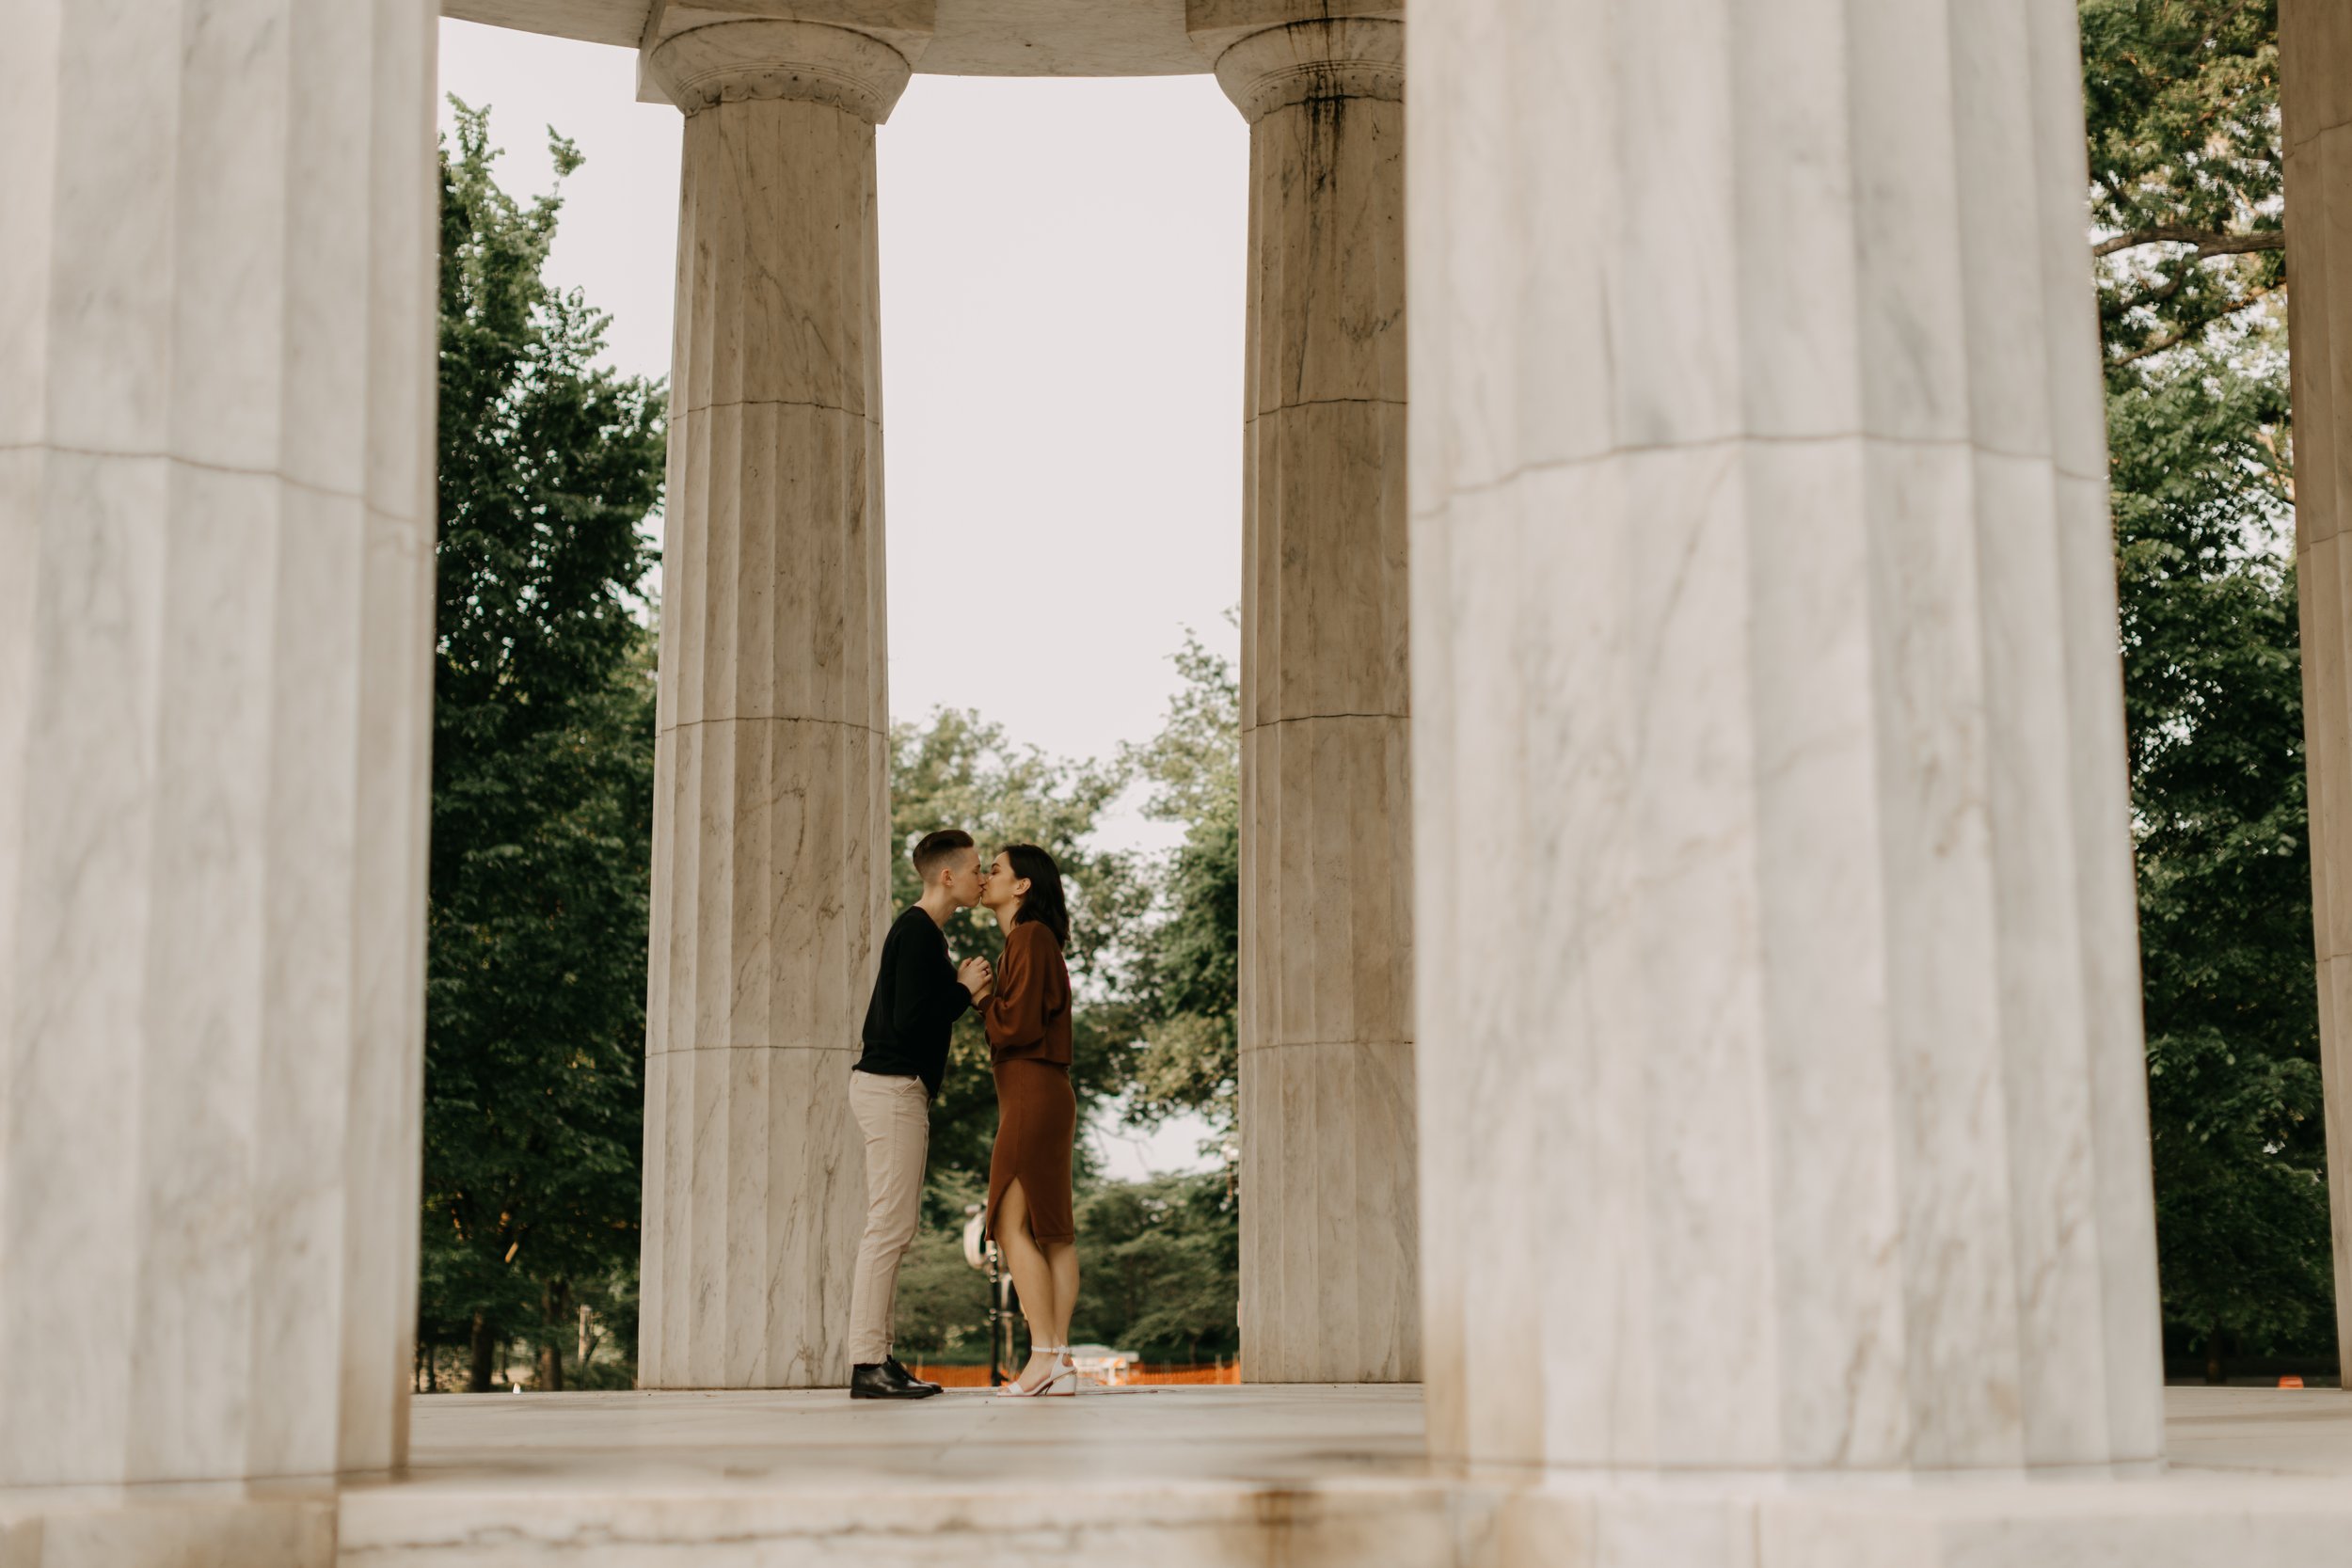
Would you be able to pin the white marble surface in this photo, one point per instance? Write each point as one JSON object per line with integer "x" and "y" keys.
{"x": 770, "y": 772}
{"x": 2316, "y": 56}
{"x": 1328, "y": 1206}
{"x": 216, "y": 336}
{"x": 1303, "y": 1476}
{"x": 1780, "y": 1061}
{"x": 217, "y": 1525}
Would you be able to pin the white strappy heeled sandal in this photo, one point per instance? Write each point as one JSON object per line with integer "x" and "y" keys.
{"x": 1052, "y": 1387}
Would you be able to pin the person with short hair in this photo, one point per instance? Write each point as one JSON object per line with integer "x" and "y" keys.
{"x": 1027, "y": 1013}
{"x": 918, "y": 995}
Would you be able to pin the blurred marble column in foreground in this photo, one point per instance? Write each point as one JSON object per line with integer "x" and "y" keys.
{"x": 216, "y": 336}
{"x": 1329, "y": 1271}
{"x": 1782, "y": 1093}
{"x": 770, "y": 775}
{"x": 2315, "y": 71}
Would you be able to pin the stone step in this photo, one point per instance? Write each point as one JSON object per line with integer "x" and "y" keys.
{"x": 1275, "y": 1477}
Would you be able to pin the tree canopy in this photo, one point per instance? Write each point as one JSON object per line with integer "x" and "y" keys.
{"x": 2187, "y": 173}
{"x": 542, "y": 788}
{"x": 1153, "y": 955}
{"x": 961, "y": 770}
{"x": 2187, "y": 177}
{"x": 1185, "y": 974}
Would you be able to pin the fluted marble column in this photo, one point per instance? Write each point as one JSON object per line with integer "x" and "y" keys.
{"x": 2315, "y": 69}
{"x": 1782, "y": 1093}
{"x": 1329, "y": 1280}
{"x": 772, "y": 789}
{"x": 216, "y": 335}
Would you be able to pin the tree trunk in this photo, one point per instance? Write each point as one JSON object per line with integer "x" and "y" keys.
{"x": 484, "y": 1348}
{"x": 2213, "y": 1356}
{"x": 554, "y": 1307}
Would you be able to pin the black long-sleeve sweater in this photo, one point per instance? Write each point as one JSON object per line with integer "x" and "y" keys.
{"x": 916, "y": 1002}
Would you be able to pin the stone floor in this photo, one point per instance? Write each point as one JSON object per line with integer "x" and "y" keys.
{"x": 1294, "y": 1477}
{"x": 2260, "y": 1430}
{"x": 821, "y": 1442}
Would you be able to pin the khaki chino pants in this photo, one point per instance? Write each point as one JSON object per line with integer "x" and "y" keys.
{"x": 896, "y": 1117}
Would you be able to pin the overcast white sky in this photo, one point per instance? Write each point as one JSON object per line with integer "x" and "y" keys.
{"x": 1062, "y": 320}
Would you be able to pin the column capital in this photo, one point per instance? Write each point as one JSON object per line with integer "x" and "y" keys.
{"x": 728, "y": 62}
{"x": 1297, "y": 62}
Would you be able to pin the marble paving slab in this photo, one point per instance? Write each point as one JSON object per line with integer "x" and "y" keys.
{"x": 1295, "y": 1476}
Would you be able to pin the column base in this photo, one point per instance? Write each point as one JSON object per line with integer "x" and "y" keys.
{"x": 224, "y": 1526}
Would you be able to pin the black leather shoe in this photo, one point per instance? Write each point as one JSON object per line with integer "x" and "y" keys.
{"x": 890, "y": 1365}
{"x": 872, "y": 1381}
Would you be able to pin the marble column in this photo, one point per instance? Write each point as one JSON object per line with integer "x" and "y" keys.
{"x": 1782, "y": 1094}
{"x": 2315, "y": 71}
{"x": 1329, "y": 1287}
{"x": 217, "y": 322}
{"x": 771, "y": 767}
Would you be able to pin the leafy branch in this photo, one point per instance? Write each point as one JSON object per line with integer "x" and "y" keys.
{"x": 2208, "y": 242}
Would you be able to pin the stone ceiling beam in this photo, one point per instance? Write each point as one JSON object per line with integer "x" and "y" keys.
{"x": 968, "y": 38}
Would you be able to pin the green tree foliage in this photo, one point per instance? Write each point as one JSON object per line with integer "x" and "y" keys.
{"x": 1161, "y": 1273}
{"x": 2214, "y": 702}
{"x": 1163, "y": 1268}
{"x": 2186, "y": 177}
{"x": 542, "y": 789}
{"x": 1185, "y": 975}
{"x": 1153, "y": 953}
{"x": 2186, "y": 174}
{"x": 958, "y": 770}
{"x": 942, "y": 1302}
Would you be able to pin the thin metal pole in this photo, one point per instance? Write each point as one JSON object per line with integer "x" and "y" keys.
{"x": 995, "y": 1318}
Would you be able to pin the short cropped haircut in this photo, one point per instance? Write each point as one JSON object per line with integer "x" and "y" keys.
{"x": 932, "y": 851}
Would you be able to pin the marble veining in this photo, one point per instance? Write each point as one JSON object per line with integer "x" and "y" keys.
{"x": 1765, "y": 687}
{"x": 1328, "y": 1220}
{"x": 1721, "y": 709}
{"x": 216, "y": 329}
{"x": 772, "y": 756}
{"x": 1207, "y": 1478}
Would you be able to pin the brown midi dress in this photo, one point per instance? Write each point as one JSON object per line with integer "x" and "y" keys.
{"x": 1027, "y": 1021}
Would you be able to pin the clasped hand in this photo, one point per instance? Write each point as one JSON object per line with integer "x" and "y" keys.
{"x": 975, "y": 976}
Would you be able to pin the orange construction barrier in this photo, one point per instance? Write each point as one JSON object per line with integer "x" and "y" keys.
{"x": 1142, "y": 1372}
{"x": 1170, "y": 1373}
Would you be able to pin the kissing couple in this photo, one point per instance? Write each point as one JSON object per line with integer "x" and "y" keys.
{"x": 1024, "y": 1002}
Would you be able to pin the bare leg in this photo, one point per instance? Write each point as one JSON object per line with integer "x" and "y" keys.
{"x": 1062, "y": 1257}
{"x": 1033, "y": 1276}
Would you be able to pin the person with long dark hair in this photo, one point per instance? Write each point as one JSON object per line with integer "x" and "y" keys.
{"x": 1027, "y": 1019}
